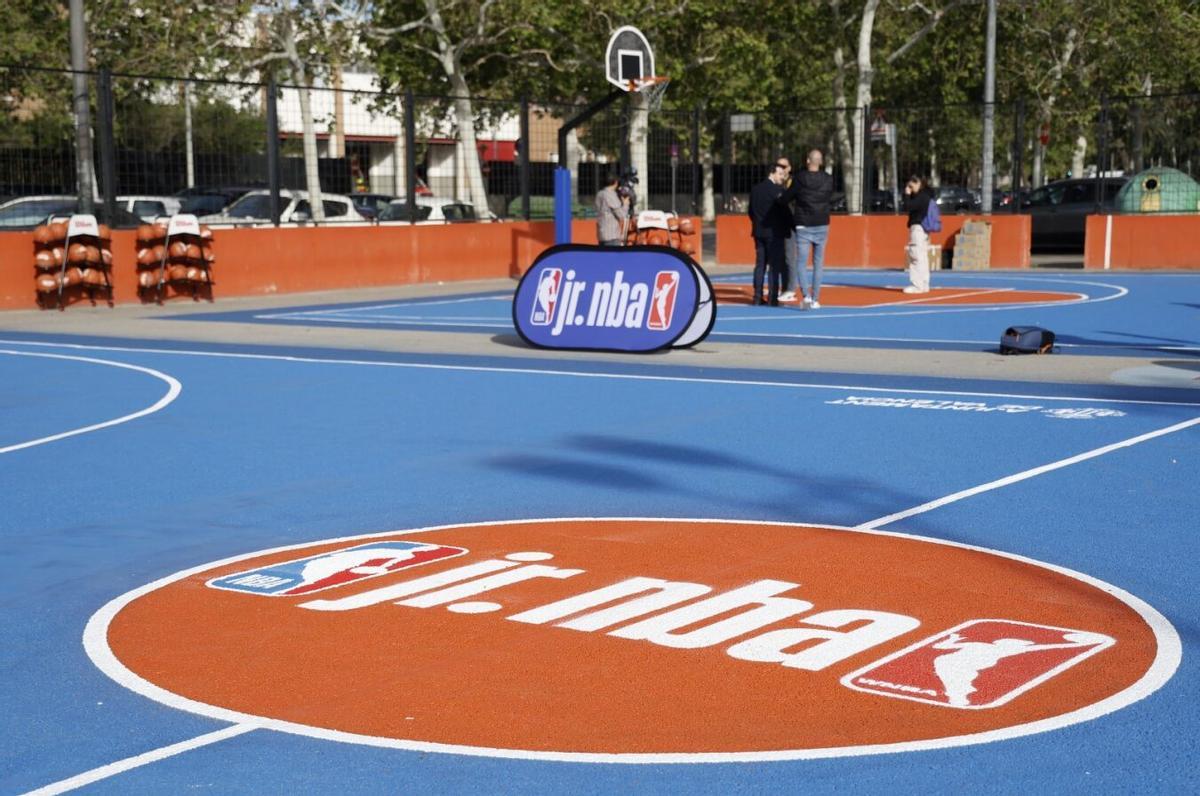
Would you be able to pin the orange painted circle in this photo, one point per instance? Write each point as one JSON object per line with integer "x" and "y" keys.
{"x": 461, "y": 674}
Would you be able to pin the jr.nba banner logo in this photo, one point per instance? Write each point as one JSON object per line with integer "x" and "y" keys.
{"x": 642, "y": 298}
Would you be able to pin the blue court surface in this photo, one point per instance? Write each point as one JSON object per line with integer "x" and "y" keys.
{"x": 126, "y": 461}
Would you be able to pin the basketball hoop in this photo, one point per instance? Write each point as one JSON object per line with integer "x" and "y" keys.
{"x": 652, "y": 88}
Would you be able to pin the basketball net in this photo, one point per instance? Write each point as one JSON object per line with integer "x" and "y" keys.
{"x": 653, "y": 89}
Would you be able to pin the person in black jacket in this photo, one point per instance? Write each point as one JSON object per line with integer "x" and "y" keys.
{"x": 917, "y": 197}
{"x": 770, "y": 226}
{"x": 809, "y": 195}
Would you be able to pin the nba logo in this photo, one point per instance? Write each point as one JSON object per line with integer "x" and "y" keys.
{"x": 547, "y": 297}
{"x": 662, "y": 304}
{"x": 979, "y": 664}
{"x": 335, "y": 568}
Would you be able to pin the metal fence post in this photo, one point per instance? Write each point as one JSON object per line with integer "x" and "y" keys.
{"x": 108, "y": 155}
{"x": 1018, "y": 154}
{"x": 696, "y": 167}
{"x": 727, "y": 165}
{"x": 865, "y": 177}
{"x": 410, "y": 155}
{"x": 273, "y": 151}
{"x": 524, "y": 162}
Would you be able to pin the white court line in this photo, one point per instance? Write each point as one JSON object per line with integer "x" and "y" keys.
{"x": 402, "y": 322}
{"x": 120, "y": 766}
{"x": 394, "y": 305}
{"x": 173, "y": 390}
{"x": 583, "y": 374}
{"x": 931, "y": 299}
{"x": 351, "y": 317}
{"x": 1025, "y": 475}
{"x": 800, "y": 336}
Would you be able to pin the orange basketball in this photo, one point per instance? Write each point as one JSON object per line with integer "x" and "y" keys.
{"x": 179, "y": 249}
{"x": 146, "y": 234}
{"x": 106, "y": 258}
{"x": 160, "y": 229}
{"x": 58, "y": 231}
{"x": 77, "y": 253}
{"x": 58, "y": 255}
{"x": 105, "y": 232}
{"x": 207, "y": 253}
{"x": 145, "y": 258}
{"x": 159, "y": 253}
{"x": 92, "y": 255}
{"x": 193, "y": 251}
{"x": 206, "y": 232}
{"x": 687, "y": 246}
{"x": 72, "y": 277}
{"x": 41, "y": 235}
{"x": 44, "y": 259}
{"x": 148, "y": 278}
{"x": 177, "y": 273}
{"x": 686, "y": 227}
{"x": 672, "y": 223}
{"x": 46, "y": 282}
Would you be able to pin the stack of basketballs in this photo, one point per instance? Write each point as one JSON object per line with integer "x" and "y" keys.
{"x": 181, "y": 260}
{"x": 655, "y": 228}
{"x": 60, "y": 264}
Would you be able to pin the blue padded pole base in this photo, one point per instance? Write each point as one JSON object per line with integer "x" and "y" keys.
{"x": 562, "y": 205}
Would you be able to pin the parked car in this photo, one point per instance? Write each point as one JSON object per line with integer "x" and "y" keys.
{"x": 26, "y": 212}
{"x": 1059, "y": 211}
{"x": 430, "y": 208}
{"x": 149, "y": 208}
{"x": 954, "y": 199}
{"x": 255, "y": 208}
{"x": 209, "y": 200}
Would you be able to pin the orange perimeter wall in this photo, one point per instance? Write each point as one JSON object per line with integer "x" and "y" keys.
{"x": 254, "y": 262}
{"x": 1143, "y": 242}
{"x": 879, "y": 241}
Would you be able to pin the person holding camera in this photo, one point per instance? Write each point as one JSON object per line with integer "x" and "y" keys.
{"x": 612, "y": 212}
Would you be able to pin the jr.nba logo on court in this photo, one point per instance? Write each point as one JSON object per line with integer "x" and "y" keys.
{"x": 662, "y": 306}
{"x": 983, "y": 663}
{"x": 547, "y": 297}
{"x": 335, "y": 568}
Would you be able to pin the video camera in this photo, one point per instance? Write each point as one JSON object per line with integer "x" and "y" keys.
{"x": 625, "y": 183}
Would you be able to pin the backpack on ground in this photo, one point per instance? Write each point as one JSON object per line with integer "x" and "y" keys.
{"x": 1026, "y": 340}
{"x": 933, "y": 218}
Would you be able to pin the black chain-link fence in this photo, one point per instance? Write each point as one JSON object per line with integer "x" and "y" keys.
{"x": 206, "y": 145}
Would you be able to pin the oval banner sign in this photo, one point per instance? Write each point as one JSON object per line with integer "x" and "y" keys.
{"x": 638, "y": 641}
{"x": 599, "y": 298}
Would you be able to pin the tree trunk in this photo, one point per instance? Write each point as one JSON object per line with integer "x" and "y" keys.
{"x": 862, "y": 99}
{"x": 639, "y": 133}
{"x": 1078, "y": 155}
{"x": 1039, "y": 157}
{"x": 845, "y": 146}
{"x": 464, "y": 116}
{"x": 709, "y": 200}
{"x": 312, "y": 179}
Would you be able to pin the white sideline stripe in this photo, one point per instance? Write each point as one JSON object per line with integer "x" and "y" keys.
{"x": 594, "y": 375}
{"x": 1026, "y": 474}
{"x": 394, "y": 305}
{"x": 801, "y": 336}
{"x": 173, "y": 390}
{"x": 121, "y": 766}
{"x": 931, "y": 299}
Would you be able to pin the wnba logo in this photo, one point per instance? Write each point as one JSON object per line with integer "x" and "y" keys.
{"x": 732, "y": 640}
{"x": 662, "y": 305}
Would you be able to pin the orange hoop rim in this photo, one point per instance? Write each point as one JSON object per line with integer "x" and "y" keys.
{"x": 646, "y": 82}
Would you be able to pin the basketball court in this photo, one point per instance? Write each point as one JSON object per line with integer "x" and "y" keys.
{"x": 373, "y": 541}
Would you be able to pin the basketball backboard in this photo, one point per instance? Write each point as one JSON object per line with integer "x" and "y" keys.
{"x": 628, "y": 58}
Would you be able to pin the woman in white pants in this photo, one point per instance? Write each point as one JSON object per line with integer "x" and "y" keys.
{"x": 917, "y": 198}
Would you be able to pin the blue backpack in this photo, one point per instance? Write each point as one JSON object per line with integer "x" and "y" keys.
{"x": 933, "y": 218}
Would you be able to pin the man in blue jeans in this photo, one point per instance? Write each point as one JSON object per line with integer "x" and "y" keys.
{"x": 809, "y": 196}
